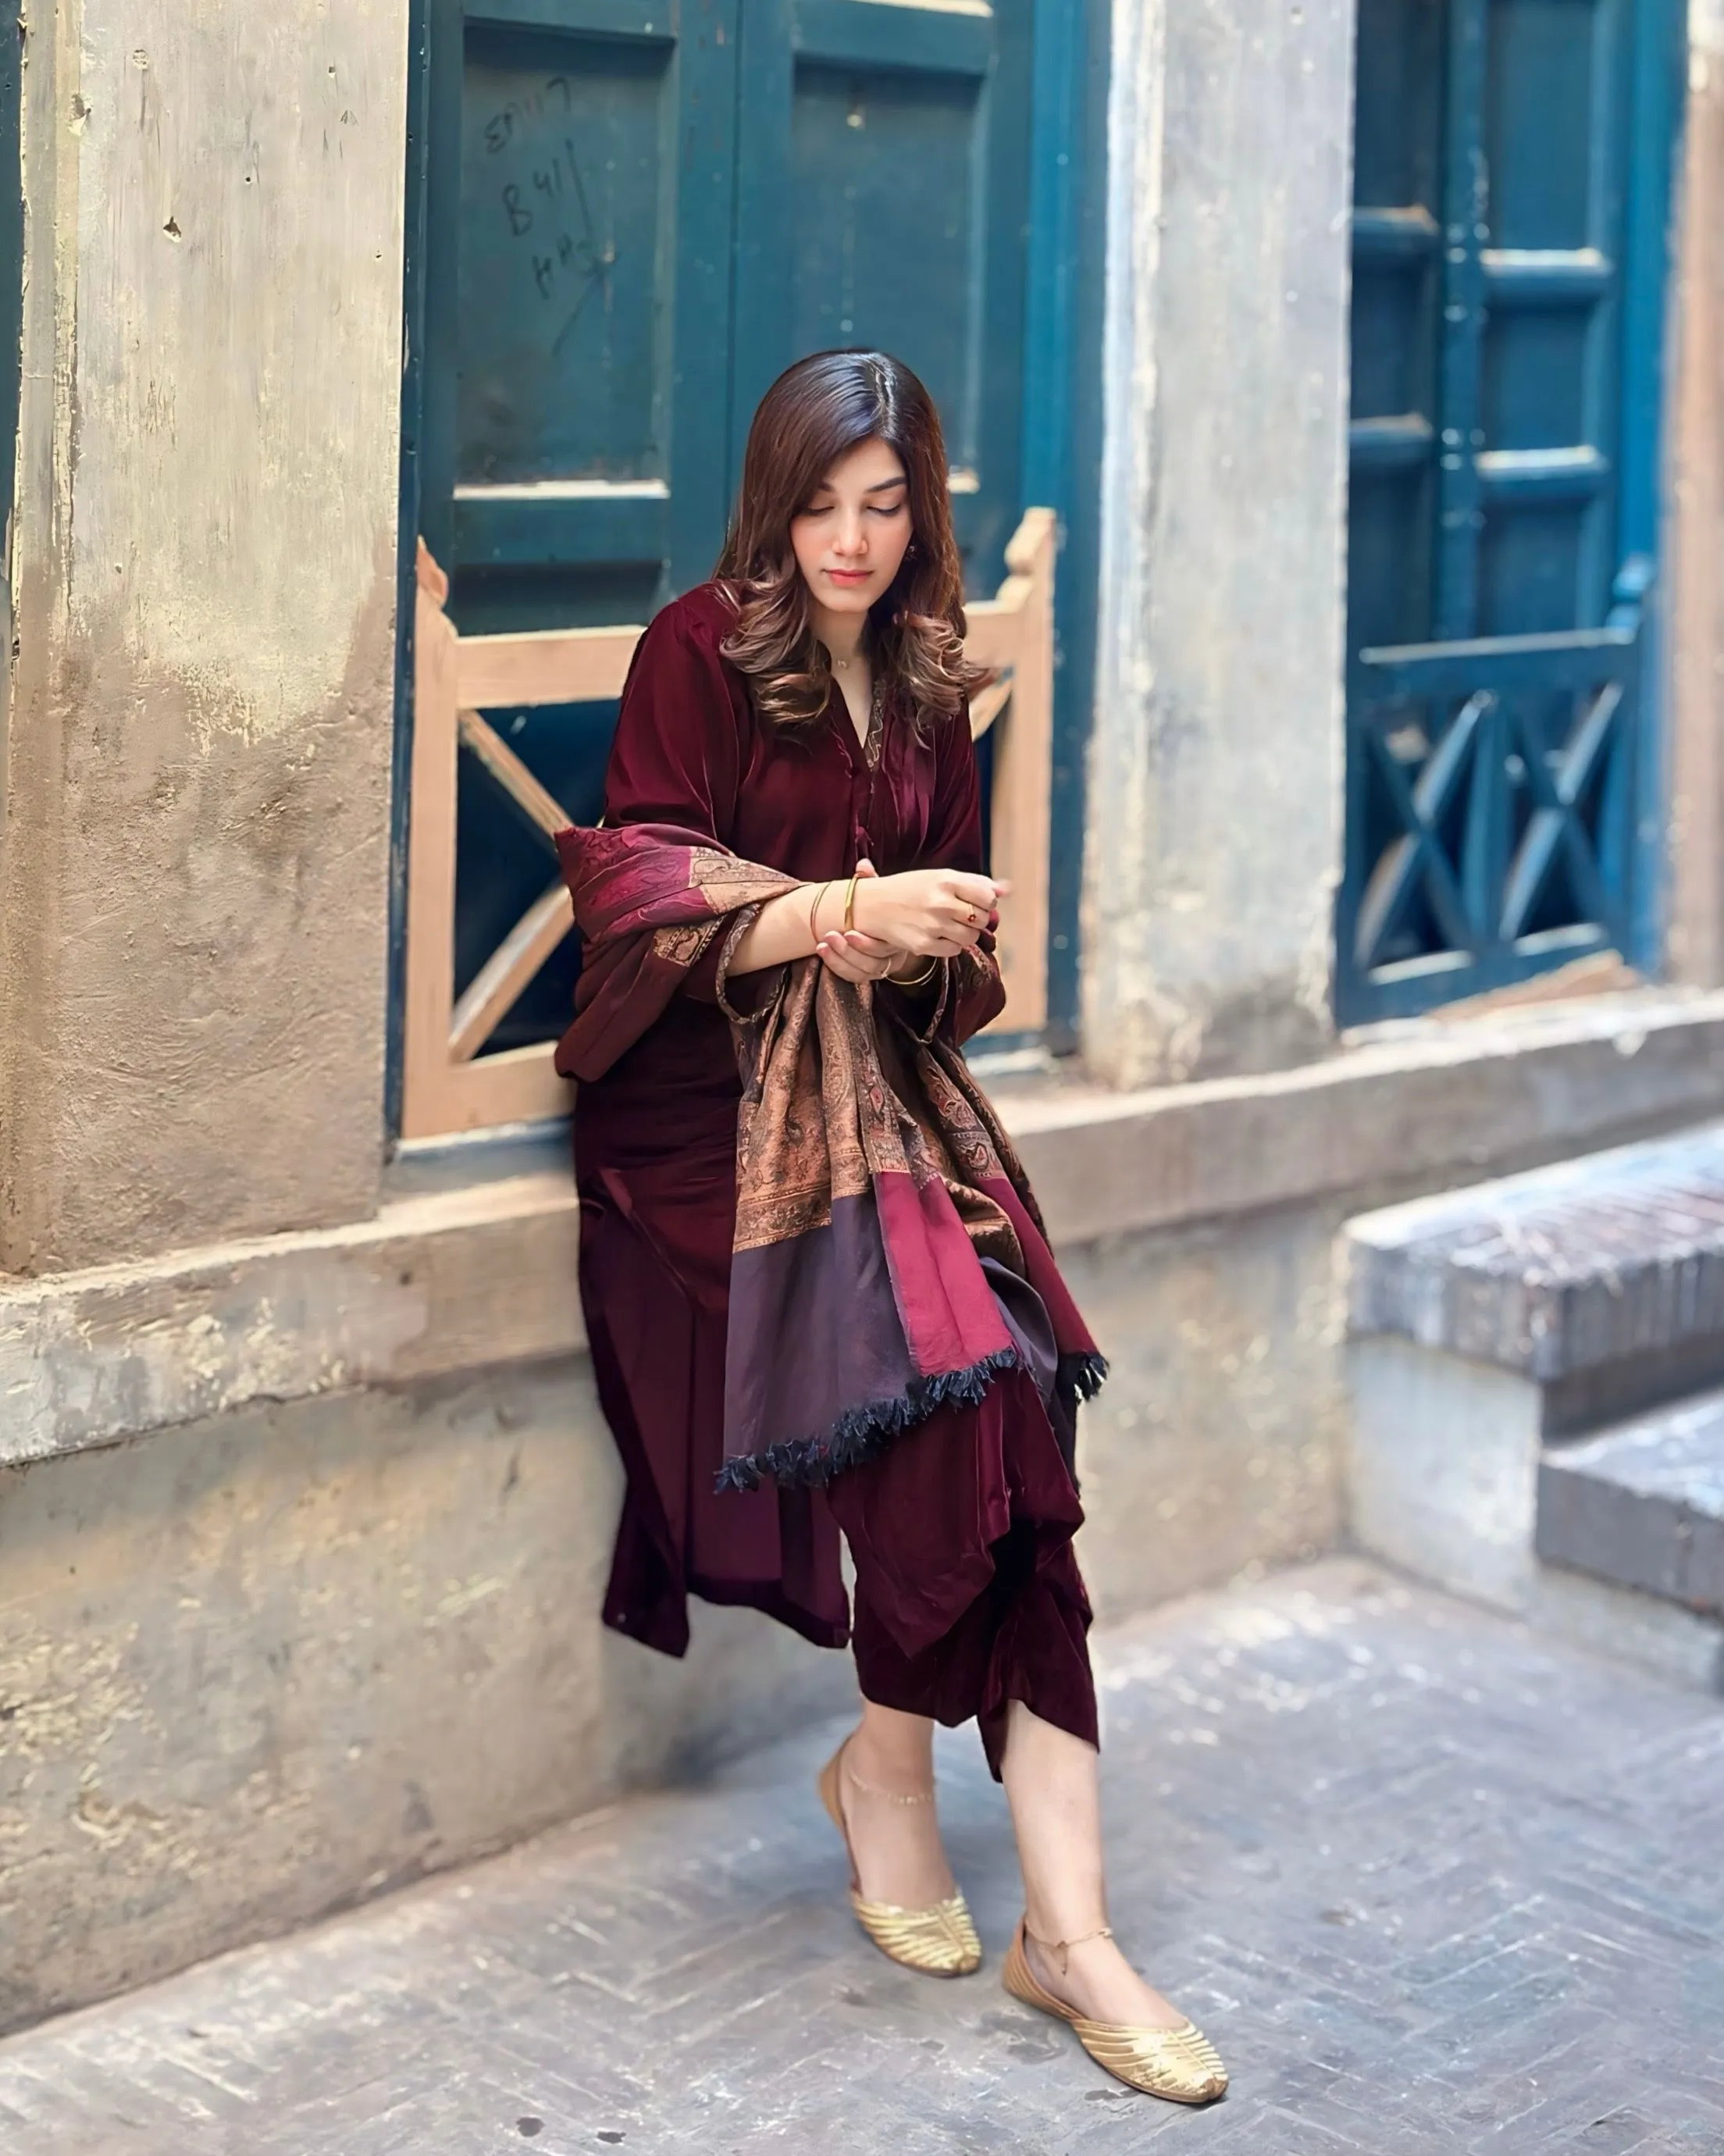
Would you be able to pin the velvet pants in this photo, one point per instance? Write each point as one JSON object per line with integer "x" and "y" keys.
{"x": 967, "y": 1594}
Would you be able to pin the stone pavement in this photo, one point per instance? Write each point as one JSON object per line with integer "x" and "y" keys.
{"x": 1429, "y": 1882}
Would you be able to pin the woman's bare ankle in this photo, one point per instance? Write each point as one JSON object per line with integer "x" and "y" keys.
{"x": 892, "y": 1751}
{"x": 1095, "y": 1978}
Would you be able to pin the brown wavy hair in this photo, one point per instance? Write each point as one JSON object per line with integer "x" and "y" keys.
{"x": 815, "y": 413}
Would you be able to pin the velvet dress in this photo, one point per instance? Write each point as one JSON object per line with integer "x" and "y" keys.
{"x": 967, "y": 1593}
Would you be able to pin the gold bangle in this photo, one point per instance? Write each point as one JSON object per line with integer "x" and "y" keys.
{"x": 850, "y": 900}
{"x": 918, "y": 980}
{"x": 813, "y": 925}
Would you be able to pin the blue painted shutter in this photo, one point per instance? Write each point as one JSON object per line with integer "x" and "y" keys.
{"x": 1511, "y": 165}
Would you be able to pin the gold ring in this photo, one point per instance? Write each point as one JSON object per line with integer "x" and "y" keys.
{"x": 974, "y": 917}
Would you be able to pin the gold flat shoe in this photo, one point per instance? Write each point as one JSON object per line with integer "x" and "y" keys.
{"x": 939, "y": 1940}
{"x": 1179, "y": 2064}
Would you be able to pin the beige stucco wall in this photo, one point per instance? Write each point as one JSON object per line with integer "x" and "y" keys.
{"x": 194, "y": 847}
{"x": 267, "y": 1663}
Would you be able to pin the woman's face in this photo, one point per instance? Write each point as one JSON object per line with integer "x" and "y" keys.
{"x": 850, "y": 535}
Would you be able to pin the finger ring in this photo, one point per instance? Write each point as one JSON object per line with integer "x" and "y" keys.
{"x": 974, "y": 917}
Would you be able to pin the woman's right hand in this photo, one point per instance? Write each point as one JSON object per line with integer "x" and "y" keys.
{"x": 932, "y": 913}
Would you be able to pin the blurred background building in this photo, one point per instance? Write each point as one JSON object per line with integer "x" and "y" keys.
{"x": 373, "y": 373}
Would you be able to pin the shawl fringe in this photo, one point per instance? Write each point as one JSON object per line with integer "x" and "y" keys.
{"x": 864, "y": 1433}
{"x": 1082, "y": 1376}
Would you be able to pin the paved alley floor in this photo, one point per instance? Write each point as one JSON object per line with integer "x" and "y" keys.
{"x": 1429, "y": 1883}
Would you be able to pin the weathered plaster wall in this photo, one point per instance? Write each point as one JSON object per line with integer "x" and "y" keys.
{"x": 1696, "y": 466}
{"x": 1215, "y": 1442}
{"x": 258, "y": 1667}
{"x": 1215, "y": 783}
{"x": 193, "y": 867}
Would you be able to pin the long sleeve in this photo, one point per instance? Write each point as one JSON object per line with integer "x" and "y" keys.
{"x": 954, "y": 839}
{"x": 675, "y": 756}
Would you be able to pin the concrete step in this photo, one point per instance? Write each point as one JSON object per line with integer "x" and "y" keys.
{"x": 1642, "y": 1506}
{"x": 1514, "y": 1351}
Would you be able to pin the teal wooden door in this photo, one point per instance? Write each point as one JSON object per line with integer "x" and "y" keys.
{"x": 580, "y": 196}
{"x": 1512, "y": 187}
{"x": 630, "y": 215}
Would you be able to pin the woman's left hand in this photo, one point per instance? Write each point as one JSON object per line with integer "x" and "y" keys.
{"x": 854, "y": 957}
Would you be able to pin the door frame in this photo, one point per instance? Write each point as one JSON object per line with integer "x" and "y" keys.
{"x": 1060, "y": 443}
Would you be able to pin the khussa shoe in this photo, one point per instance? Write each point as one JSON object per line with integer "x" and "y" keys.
{"x": 939, "y": 1940}
{"x": 1180, "y": 2064}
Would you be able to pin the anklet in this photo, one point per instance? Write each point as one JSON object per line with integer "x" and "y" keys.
{"x": 1063, "y": 1946}
{"x": 891, "y": 1796}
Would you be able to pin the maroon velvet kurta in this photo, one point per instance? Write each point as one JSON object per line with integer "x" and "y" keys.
{"x": 961, "y": 1532}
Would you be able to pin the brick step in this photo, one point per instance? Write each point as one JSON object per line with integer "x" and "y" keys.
{"x": 1642, "y": 1505}
{"x": 1600, "y": 1281}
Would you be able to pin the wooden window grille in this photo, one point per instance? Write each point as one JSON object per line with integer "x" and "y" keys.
{"x": 448, "y": 1083}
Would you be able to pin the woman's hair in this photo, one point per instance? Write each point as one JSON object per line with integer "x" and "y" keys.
{"x": 816, "y": 412}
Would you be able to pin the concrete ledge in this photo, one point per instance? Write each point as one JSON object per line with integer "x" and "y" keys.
{"x": 444, "y": 1281}
{"x": 1435, "y": 1101}
{"x": 434, "y": 1284}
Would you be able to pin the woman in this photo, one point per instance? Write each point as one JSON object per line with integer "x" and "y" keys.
{"x": 816, "y": 1288}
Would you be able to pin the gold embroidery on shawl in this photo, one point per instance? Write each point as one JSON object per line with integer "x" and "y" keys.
{"x": 827, "y": 1105}
{"x": 683, "y": 943}
{"x": 725, "y": 882}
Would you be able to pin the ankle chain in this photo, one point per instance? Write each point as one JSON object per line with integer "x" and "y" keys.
{"x": 891, "y": 1796}
{"x": 1063, "y": 1946}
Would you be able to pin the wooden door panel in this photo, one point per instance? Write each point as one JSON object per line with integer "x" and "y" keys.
{"x": 883, "y": 185}
{"x": 882, "y": 199}
{"x": 578, "y": 238}
{"x": 1396, "y": 292}
{"x": 1551, "y": 140}
{"x": 561, "y": 337}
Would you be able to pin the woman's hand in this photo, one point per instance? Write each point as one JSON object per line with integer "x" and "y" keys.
{"x": 925, "y": 913}
{"x": 850, "y": 954}
{"x": 854, "y": 957}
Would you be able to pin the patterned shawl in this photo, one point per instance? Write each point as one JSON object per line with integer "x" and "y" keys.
{"x": 877, "y": 1196}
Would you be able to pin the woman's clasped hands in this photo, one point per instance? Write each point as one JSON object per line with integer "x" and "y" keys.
{"x": 900, "y": 922}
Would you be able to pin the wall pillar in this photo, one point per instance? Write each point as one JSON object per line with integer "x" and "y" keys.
{"x": 1695, "y": 466}
{"x": 1215, "y": 787}
{"x": 193, "y": 852}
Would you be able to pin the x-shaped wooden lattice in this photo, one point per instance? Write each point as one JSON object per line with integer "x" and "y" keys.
{"x": 1558, "y": 783}
{"x": 492, "y": 992}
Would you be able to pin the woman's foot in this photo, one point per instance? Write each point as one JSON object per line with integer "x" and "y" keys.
{"x": 1093, "y": 1976}
{"x": 893, "y": 1829}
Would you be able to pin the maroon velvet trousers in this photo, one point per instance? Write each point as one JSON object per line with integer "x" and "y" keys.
{"x": 967, "y": 1594}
